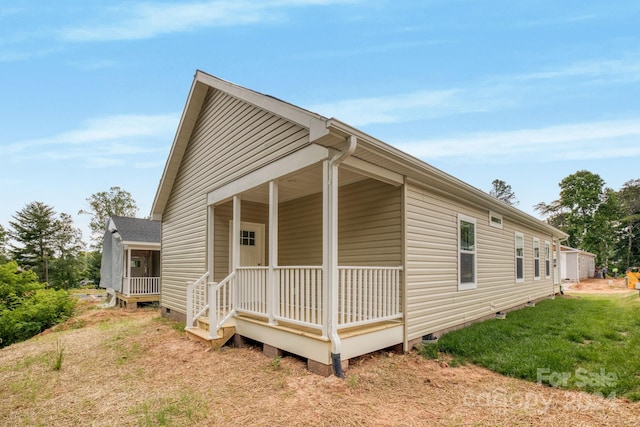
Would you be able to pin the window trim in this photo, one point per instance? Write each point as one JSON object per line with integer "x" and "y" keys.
{"x": 495, "y": 224}
{"x": 536, "y": 245}
{"x": 474, "y": 284}
{"x": 515, "y": 253}
{"x": 547, "y": 259}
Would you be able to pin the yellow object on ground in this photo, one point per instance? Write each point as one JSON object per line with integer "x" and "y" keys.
{"x": 633, "y": 277}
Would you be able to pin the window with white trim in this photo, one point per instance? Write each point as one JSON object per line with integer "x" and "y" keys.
{"x": 495, "y": 220}
{"x": 466, "y": 252}
{"x": 519, "y": 252}
{"x": 536, "y": 258}
{"x": 547, "y": 259}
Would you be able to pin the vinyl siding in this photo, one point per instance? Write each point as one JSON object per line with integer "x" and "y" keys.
{"x": 231, "y": 138}
{"x": 300, "y": 231}
{"x": 370, "y": 224}
{"x": 433, "y": 301}
{"x": 250, "y": 212}
{"x": 369, "y": 227}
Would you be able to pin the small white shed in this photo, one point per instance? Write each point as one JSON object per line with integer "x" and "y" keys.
{"x": 576, "y": 264}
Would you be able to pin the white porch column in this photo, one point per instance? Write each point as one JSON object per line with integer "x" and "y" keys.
{"x": 330, "y": 248}
{"x": 211, "y": 240}
{"x": 272, "y": 278}
{"x": 235, "y": 245}
{"x": 235, "y": 241}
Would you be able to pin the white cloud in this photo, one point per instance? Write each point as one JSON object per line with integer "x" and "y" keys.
{"x": 414, "y": 106}
{"x": 488, "y": 95}
{"x": 578, "y": 141}
{"x": 23, "y": 55}
{"x": 93, "y": 65}
{"x": 627, "y": 69}
{"x": 104, "y": 130}
{"x": 147, "y": 20}
{"x": 102, "y": 142}
{"x": 556, "y": 20}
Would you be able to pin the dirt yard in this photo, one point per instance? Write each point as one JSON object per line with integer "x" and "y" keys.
{"x": 600, "y": 286}
{"x": 133, "y": 368}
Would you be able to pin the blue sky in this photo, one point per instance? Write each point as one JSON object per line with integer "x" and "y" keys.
{"x": 525, "y": 91}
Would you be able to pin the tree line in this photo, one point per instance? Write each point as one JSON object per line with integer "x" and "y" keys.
{"x": 598, "y": 219}
{"x": 47, "y": 242}
{"x": 42, "y": 256}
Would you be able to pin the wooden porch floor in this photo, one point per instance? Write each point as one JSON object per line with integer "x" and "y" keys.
{"x": 317, "y": 333}
{"x": 131, "y": 301}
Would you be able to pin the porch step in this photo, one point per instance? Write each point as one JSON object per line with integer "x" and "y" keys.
{"x": 201, "y": 335}
{"x": 203, "y": 323}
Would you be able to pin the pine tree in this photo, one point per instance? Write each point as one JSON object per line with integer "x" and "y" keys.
{"x": 3, "y": 245}
{"x": 34, "y": 229}
{"x": 67, "y": 243}
{"x": 502, "y": 191}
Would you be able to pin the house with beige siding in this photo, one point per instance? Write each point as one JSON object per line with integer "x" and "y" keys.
{"x": 311, "y": 237}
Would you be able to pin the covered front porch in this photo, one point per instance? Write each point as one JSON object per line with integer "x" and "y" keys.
{"x": 141, "y": 275}
{"x": 305, "y": 256}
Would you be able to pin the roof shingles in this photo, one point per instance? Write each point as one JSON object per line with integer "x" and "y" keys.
{"x": 138, "y": 229}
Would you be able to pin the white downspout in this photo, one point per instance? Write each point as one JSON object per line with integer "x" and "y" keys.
{"x": 332, "y": 258}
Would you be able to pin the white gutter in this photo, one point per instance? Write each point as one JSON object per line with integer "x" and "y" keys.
{"x": 336, "y": 344}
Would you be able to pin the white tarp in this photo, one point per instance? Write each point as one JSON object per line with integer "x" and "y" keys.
{"x": 112, "y": 261}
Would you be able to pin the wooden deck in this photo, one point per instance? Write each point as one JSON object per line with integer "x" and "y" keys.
{"x": 132, "y": 301}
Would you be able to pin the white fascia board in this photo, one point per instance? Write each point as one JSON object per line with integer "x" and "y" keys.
{"x": 301, "y": 159}
{"x": 372, "y": 171}
{"x": 142, "y": 245}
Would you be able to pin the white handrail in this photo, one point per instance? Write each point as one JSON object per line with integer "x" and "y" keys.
{"x": 196, "y": 300}
{"x": 221, "y": 303}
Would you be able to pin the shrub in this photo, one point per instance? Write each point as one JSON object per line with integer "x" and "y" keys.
{"x": 26, "y": 307}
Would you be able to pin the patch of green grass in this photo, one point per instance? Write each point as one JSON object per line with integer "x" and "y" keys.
{"x": 178, "y": 326}
{"x": 125, "y": 348}
{"x": 275, "y": 362}
{"x": 353, "y": 381}
{"x": 57, "y": 357}
{"x": 588, "y": 344}
{"x": 429, "y": 350}
{"x": 189, "y": 409}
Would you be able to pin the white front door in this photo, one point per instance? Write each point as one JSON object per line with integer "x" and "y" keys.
{"x": 251, "y": 242}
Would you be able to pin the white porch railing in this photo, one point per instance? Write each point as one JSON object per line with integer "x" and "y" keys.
{"x": 221, "y": 296}
{"x": 212, "y": 299}
{"x": 197, "y": 301}
{"x": 365, "y": 295}
{"x": 300, "y": 291}
{"x": 368, "y": 295}
{"x": 141, "y": 286}
{"x": 252, "y": 290}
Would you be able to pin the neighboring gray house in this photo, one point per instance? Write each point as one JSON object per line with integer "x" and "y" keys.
{"x": 576, "y": 264}
{"x": 131, "y": 259}
{"x": 312, "y": 237}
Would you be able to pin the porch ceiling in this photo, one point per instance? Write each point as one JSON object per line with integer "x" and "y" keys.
{"x": 299, "y": 184}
